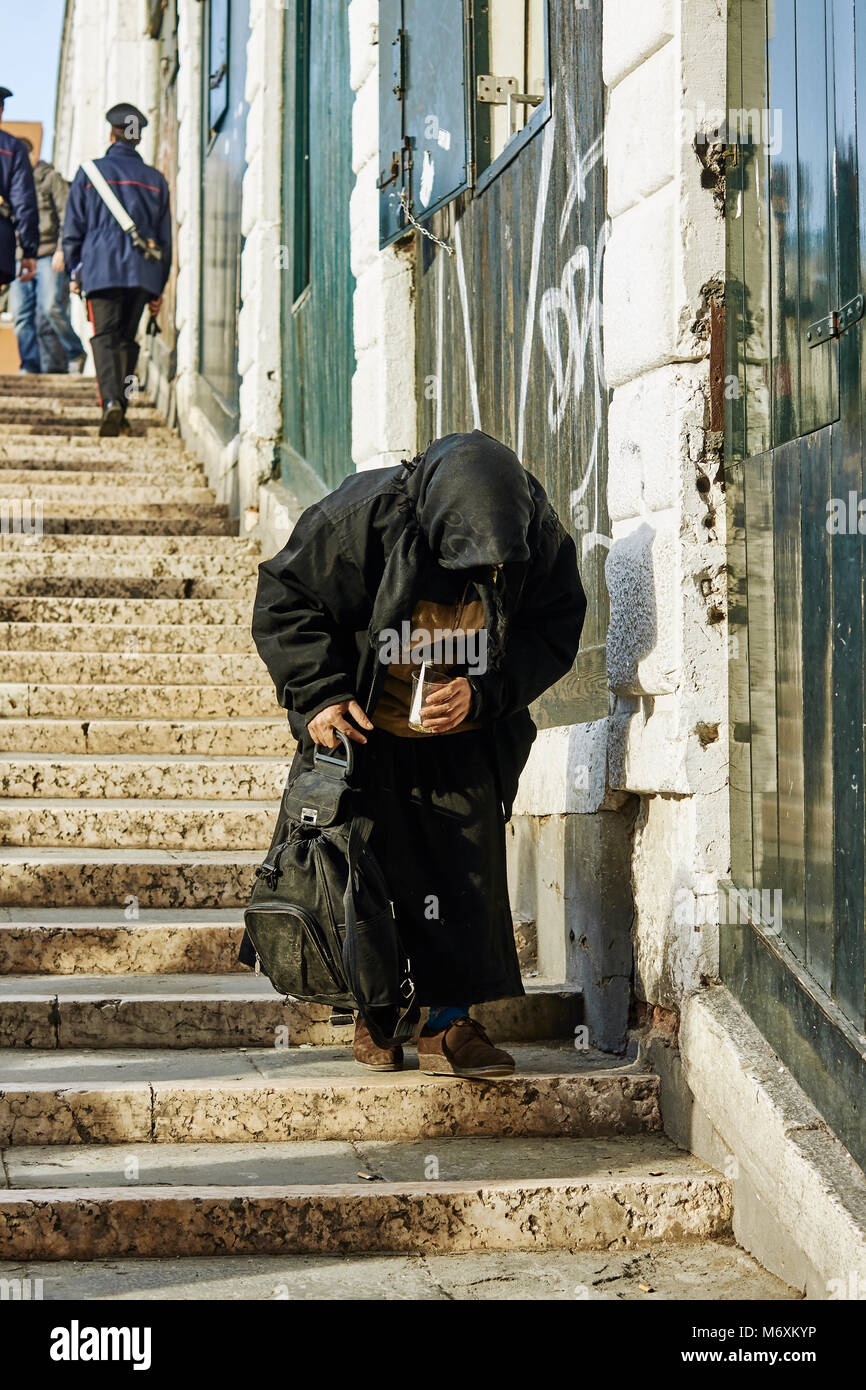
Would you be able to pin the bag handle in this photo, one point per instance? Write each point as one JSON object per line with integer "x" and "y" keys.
{"x": 347, "y": 763}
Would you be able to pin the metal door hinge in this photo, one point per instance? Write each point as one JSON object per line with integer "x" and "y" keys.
{"x": 398, "y": 64}
{"x": 504, "y": 91}
{"x": 833, "y": 325}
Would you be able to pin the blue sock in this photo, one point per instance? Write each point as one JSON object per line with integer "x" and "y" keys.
{"x": 442, "y": 1015}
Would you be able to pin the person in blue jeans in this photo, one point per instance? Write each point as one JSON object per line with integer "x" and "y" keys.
{"x": 47, "y": 342}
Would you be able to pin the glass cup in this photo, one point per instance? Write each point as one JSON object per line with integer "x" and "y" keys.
{"x": 424, "y": 681}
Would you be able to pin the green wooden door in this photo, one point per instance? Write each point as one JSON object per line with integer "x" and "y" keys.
{"x": 315, "y": 282}
{"x": 792, "y": 943}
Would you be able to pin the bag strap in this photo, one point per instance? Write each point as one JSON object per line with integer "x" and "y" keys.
{"x": 109, "y": 198}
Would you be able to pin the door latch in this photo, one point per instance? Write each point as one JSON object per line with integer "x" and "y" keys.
{"x": 834, "y": 324}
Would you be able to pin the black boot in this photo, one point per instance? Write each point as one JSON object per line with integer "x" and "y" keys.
{"x": 112, "y": 415}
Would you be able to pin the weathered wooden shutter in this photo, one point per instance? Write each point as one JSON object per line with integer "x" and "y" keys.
{"x": 424, "y": 77}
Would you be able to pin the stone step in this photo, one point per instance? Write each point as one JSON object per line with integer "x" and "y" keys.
{"x": 75, "y": 425}
{"x": 190, "y": 737}
{"x": 114, "y": 500}
{"x": 672, "y": 1270}
{"x": 234, "y": 1010}
{"x": 68, "y": 469}
{"x": 117, "y": 877}
{"x": 207, "y": 551}
{"x": 57, "y": 451}
{"x": 126, "y": 668}
{"x": 106, "y": 480}
{"x": 86, "y": 521}
{"x": 281, "y": 1093}
{"x": 48, "y": 384}
{"x": 60, "y": 585}
{"x": 63, "y": 407}
{"x": 137, "y": 824}
{"x": 45, "y": 563}
{"x": 136, "y": 701}
{"x": 102, "y": 941}
{"x": 125, "y": 611}
{"x": 125, "y": 777}
{"x": 132, "y": 638}
{"x": 497, "y": 1195}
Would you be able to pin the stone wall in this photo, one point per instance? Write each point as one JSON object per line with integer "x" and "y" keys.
{"x": 664, "y": 266}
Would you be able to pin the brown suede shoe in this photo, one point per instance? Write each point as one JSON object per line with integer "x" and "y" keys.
{"x": 462, "y": 1049}
{"x": 369, "y": 1054}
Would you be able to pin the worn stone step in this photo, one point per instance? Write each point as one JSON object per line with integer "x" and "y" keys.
{"x": 123, "y": 611}
{"x": 24, "y": 465}
{"x": 182, "y": 737}
{"x": 136, "y": 701}
{"x": 671, "y": 1270}
{"x": 127, "y": 668}
{"x": 236, "y": 566}
{"x": 118, "y": 877}
{"x": 110, "y": 499}
{"x": 74, "y": 425}
{"x": 126, "y": 776}
{"x": 48, "y": 384}
{"x": 145, "y": 586}
{"x": 137, "y": 824}
{"x": 39, "y": 409}
{"x": 234, "y": 1010}
{"x": 105, "y": 481}
{"x": 104, "y": 941}
{"x": 20, "y": 449}
{"x": 213, "y": 551}
{"x": 131, "y": 638}
{"x": 173, "y": 521}
{"x": 504, "y": 1195}
{"x": 91, "y": 941}
{"x": 283, "y": 1093}
{"x": 138, "y": 503}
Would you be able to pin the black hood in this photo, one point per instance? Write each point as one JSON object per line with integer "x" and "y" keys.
{"x": 473, "y": 502}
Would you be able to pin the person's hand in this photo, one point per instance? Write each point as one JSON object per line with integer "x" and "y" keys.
{"x": 447, "y": 706}
{"x": 58, "y": 261}
{"x": 155, "y": 305}
{"x": 75, "y": 287}
{"x": 28, "y": 269}
{"x": 321, "y": 727}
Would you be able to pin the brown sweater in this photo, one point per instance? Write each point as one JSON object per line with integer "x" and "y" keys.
{"x": 391, "y": 711}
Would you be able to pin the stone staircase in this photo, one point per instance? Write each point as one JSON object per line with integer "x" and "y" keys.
{"x": 156, "y": 1100}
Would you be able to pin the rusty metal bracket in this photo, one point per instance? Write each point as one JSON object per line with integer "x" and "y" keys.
{"x": 834, "y": 324}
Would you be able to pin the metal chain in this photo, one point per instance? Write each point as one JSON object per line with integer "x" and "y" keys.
{"x": 404, "y": 203}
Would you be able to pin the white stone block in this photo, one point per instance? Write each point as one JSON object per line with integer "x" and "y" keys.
{"x": 640, "y": 291}
{"x": 363, "y": 40}
{"x": 641, "y": 129}
{"x": 566, "y": 771}
{"x": 632, "y": 30}
{"x": 365, "y": 123}
{"x": 643, "y": 582}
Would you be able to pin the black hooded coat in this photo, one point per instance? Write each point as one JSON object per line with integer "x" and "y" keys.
{"x": 354, "y": 566}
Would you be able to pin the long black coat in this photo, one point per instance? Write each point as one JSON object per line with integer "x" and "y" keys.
{"x": 352, "y": 567}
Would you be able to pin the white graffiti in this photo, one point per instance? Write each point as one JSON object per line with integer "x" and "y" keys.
{"x": 567, "y": 312}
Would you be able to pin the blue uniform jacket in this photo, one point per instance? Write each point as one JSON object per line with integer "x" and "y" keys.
{"x": 93, "y": 238}
{"x": 19, "y": 191}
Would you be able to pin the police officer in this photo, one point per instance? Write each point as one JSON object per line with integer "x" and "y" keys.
{"x": 119, "y": 270}
{"x": 18, "y": 209}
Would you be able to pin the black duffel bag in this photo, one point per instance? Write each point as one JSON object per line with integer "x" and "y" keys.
{"x": 320, "y": 917}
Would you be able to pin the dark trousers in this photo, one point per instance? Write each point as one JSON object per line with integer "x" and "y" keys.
{"x": 114, "y": 317}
